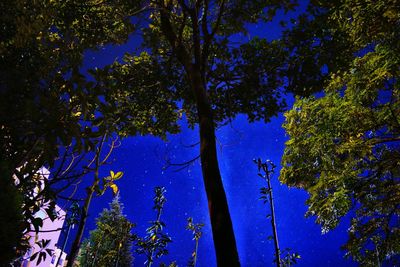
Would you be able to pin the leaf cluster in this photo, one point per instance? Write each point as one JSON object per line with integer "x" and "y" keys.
{"x": 43, "y": 251}
{"x": 343, "y": 146}
{"x": 289, "y": 258}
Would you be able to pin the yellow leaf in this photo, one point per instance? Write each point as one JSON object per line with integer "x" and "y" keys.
{"x": 114, "y": 188}
{"x": 77, "y": 114}
{"x": 118, "y": 175}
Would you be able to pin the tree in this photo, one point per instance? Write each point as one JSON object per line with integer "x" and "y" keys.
{"x": 265, "y": 171}
{"x": 97, "y": 188}
{"x": 50, "y": 114}
{"x": 154, "y": 244}
{"x": 195, "y": 228}
{"x": 192, "y": 65}
{"x": 110, "y": 244}
{"x": 343, "y": 145}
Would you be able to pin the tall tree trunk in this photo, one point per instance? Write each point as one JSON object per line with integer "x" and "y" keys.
{"x": 273, "y": 223}
{"x": 223, "y": 235}
{"x": 78, "y": 238}
{"x": 85, "y": 209}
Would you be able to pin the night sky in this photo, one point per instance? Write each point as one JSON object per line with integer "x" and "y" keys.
{"x": 143, "y": 160}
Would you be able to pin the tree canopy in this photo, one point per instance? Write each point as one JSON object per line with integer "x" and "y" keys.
{"x": 340, "y": 58}
{"x": 192, "y": 65}
{"x": 48, "y": 110}
{"x": 343, "y": 145}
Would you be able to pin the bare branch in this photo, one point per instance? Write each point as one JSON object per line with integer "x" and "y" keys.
{"x": 70, "y": 198}
{"x": 47, "y": 231}
{"x": 182, "y": 165}
{"x": 114, "y": 144}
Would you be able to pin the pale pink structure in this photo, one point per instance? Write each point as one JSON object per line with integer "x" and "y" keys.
{"x": 51, "y": 230}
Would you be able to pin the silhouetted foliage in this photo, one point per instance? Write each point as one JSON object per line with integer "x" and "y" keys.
{"x": 43, "y": 252}
{"x": 195, "y": 228}
{"x": 154, "y": 244}
{"x": 48, "y": 111}
{"x": 11, "y": 222}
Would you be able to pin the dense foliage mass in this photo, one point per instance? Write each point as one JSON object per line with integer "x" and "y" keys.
{"x": 47, "y": 108}
{"x": 111, "y": 242}
{"x": 344, "y": 142}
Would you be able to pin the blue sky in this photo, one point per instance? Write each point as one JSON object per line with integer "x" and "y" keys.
{"x": 143, "y": 161}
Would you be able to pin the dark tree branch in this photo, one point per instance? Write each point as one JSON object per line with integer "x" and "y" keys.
{"x": 182, "y": 165}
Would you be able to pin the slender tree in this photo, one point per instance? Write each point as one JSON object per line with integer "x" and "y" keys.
{"x": 154, "y": 244}
{"x": 195, "y": 228}
{"x": 267, "y": 196}
{"x": 265, "y": 171}
{"x": 98, "y": 186}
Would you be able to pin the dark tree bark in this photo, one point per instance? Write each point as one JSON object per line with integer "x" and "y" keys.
{"x": 85, "y": 209}
{"x": 224, "y": 238}
{"x": 194, "y": 65}
{"x": 81, "y": 227}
